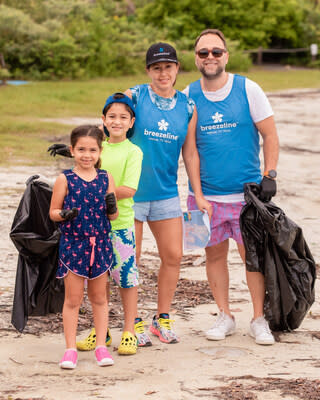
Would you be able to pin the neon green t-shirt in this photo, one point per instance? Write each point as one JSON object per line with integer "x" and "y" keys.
{"x": 123, "y": 160}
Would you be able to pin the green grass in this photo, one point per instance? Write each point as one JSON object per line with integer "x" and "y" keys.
{"x": 25, "y": 138}
{"x": 276, "y": 80}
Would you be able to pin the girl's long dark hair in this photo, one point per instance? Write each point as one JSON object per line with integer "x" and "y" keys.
{"x": 84, "y": 131}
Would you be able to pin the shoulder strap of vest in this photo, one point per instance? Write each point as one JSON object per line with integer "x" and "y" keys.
{"x": 239, "y": 80}
{"x": 194, "y": 88}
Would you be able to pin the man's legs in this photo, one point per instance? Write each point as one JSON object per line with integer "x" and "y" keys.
{"x": 218, "y": 277}
{"x": 218, "y": 274}
{"x": 255, "y": 281}
{"x": 259, "y": 327}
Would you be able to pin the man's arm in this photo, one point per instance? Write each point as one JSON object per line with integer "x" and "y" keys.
{"x": 268, "y": 131}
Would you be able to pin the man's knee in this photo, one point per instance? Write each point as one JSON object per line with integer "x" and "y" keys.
{"x": 217, "y": 253}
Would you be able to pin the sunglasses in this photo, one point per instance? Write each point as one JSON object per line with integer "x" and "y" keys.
{"x": 216, "y": 52}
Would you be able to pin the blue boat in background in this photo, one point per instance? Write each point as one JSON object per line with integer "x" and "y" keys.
{"x": 15, "y": 82}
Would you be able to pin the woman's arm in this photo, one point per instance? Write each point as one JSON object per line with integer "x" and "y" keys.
{"x": 192, "y": 163}
{"x": 128, "y": 93}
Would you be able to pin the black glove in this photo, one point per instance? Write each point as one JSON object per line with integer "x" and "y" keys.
{"x": 68, "y": 215}
{"x": 61, "y": 149}
{"x": 111, "y": 203}
{"x": 268, "y": 188}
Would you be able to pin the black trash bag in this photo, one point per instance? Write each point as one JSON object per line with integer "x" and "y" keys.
{"x": 36, "y": 237}
{"x": 275, "y": 246}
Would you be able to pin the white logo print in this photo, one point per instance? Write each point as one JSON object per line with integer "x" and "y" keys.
{"x": 217, "y": 117}
{"x": 163, "y": 125}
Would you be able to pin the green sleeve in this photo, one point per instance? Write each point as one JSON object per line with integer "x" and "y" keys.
{"x": 132, "y": 169}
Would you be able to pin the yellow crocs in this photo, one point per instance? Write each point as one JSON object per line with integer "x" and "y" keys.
{"x": 89, "y": 343}
{"x": 128, "y": 344}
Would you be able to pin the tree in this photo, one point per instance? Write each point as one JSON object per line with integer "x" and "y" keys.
{"x": 267, "y": 23}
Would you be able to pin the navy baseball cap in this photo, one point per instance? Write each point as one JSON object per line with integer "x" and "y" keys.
{"x": 159, "y": 52}
{"x": 119, "y": 98}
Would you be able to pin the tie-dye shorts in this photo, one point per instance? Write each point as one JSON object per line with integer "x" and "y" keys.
{"x": 124, "y": 270}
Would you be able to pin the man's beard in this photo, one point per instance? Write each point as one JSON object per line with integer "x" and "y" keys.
{"x": 211, "y": 75}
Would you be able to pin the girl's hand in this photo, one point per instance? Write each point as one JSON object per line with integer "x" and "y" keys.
{"x": 111, "y": 200}
{"x": 111, "y": 203}
{"x": 61, "y": 149}
{"x": 68, "y": 215}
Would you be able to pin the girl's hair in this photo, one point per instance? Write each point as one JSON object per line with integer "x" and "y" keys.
{"x": 84, "y": 131}
{"x": 118, "y": 97}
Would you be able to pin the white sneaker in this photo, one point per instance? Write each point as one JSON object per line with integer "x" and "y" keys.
{"x": 222, "y": 327}
{"x": 260, "y": 331}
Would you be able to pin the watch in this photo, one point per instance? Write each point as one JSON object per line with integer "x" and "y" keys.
{"x": 271, "y": 174}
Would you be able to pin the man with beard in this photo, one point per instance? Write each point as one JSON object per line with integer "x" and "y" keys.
{"x": 232, "y": 111}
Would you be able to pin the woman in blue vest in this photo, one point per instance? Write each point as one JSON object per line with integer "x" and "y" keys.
{"x": 165, "y": 124}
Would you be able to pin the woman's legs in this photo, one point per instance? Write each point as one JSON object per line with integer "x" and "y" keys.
{"x": 74, "y": 285}
{"x": 138, "y": 226}
{"x": 168, "y": 235}
{"x": 98, "y": 298}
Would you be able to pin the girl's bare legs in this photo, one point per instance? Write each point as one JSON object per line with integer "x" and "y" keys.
{"x": 98, "y": 298}
{"x": 168, "y": 235}
{"x": 129, "y": 298}
{"x": 74, "y": 285}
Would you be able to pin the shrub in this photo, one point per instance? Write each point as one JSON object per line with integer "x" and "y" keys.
{"x": 4, "y": 74}
{"x": 186, "y": 59}
{"x": 314, "y": 64}
{"x": 238, "y": 60}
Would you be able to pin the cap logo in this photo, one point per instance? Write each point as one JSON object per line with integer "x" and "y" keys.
{"x": 161, "y": 54}
{"x": 161, "y": 49}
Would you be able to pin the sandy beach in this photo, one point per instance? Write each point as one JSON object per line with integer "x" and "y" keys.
{"x": 237, "y": 368}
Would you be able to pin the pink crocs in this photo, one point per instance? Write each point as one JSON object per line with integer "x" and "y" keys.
{"x": 69, "y": 359}
{"x": 103, "y": 357}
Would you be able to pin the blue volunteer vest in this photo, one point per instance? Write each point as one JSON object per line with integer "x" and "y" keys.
{"x": 160, "y": 135}
{"x": 227, "y": 141}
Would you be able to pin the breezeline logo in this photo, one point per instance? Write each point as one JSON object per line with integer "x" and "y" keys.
{"x": 219, "y": 127}
{"x": 217, "y": 117}
{"x": 163, "y": 125}
{"x": 163, "y": 136}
